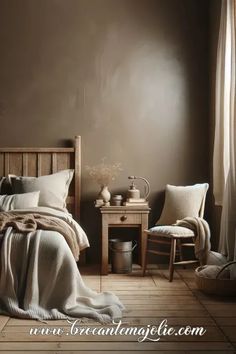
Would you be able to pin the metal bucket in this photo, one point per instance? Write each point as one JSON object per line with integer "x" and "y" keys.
{"x": 121, "y": 255}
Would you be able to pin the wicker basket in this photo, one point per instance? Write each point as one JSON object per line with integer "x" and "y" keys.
{"x": 216, "y": 286}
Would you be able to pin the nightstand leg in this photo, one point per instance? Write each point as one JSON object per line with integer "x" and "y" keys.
{"x": 104, "y": 266}
{"x": 143, "y": 240}
{"x": 144, "y": 265}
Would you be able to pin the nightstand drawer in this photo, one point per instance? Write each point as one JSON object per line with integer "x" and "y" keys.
{"x": 124, "y": 218}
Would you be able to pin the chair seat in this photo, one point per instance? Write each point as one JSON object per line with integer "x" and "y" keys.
{"x": 171, "y": 231}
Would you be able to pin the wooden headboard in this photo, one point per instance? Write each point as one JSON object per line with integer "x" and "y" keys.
{"x": 37, "y": 162}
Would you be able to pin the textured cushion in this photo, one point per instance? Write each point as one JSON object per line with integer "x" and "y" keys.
{"x": 211, "y": 271}
{"x": 215, "y": 258}
{"x": 53, "y": 188}
{"x": 169, "y": 231}
{"x": 19, "y": 201}
{"x": 181, "y": 202}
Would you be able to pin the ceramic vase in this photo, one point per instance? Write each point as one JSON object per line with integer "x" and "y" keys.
{"x": 105, "y": 195}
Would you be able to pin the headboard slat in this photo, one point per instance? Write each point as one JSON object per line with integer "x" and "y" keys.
{"x": 6, "y": 163}
{"x": 25, "y": 164}
{"x": 77, "y": 173}
{"x": 54, "y": 162}
{"x": 40, "y": 161}
{"x": 39, "y": 164}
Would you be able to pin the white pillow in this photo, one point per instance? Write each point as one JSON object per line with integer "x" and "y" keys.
{"x": 53, "y": 188}
{"x": 19, "y": 201}
{"x": 181, "y": 202}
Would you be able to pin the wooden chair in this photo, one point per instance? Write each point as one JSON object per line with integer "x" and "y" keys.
{"x": 175, "y": 238}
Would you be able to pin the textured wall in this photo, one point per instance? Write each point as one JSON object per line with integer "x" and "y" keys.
{"x": 129, "y": 76}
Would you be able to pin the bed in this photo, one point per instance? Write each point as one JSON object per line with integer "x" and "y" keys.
{"x": 41, "y": 240}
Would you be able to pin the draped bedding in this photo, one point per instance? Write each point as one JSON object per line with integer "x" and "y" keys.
{"x": 39, "y": 277}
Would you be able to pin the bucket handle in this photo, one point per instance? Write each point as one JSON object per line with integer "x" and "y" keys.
{"x": 121, "y": 251}
{"x": 225, "y": 266}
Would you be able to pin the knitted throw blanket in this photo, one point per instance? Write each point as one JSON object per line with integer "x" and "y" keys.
{"x": 202, "y": 236}
{"x": 25, "y": 223}
{"x": 39, "y": 278}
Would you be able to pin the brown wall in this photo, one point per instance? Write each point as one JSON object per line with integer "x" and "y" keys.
{"x": 129, "y": 76}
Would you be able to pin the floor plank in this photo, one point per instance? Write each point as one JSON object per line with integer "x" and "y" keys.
{"x": 166, "y": 313}
{"x": 230, "y": 332}
{"x": 172, "y": 321}
{"x": 148, "y": 301}
{"x": 116, "y": 352}
{"x": 159, "y": 301}
{"x": 23, "y": 332}
{"x": 119, "y": 346}
{"x": 172, "y": 306}
{"x": 3, "y": 321}
{"x": 226, "y": 321}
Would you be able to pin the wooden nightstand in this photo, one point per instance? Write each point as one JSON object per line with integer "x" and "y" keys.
{"x": 122, "y": 216}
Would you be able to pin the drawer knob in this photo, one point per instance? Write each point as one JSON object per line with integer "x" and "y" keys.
{"x": 123, "y": 218}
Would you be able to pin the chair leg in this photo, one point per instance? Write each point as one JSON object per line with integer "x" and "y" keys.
{"x": 180, "y": 252}
{"x": 145, "y": 254}
{"x": 172, "y": 259}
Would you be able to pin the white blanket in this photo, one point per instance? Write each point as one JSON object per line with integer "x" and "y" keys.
{"x": 39, "y": 278}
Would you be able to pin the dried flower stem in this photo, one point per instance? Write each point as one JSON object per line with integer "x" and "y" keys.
{"x": 103, "y": 173}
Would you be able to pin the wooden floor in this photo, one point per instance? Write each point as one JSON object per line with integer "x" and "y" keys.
{"x": 148, "y": 300}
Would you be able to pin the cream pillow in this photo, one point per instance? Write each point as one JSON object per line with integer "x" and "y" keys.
{"x": 19, "y": 201}
{"x": 53, "y": 188}
{"x": 181, "y": 202}
{"x": 211, "y": 271}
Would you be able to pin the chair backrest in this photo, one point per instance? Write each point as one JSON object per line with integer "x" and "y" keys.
{"x": 175, "y": 206}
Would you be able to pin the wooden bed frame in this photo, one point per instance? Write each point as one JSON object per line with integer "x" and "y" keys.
{"x": 43, "y": 161}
